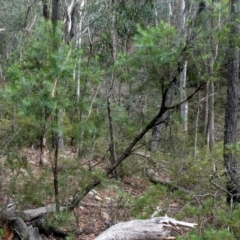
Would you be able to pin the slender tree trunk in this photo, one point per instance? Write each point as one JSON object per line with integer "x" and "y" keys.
{"x": 129, "y": 102}
{"x": 55, "y": 168}
{"x": 55, "y": 17}
{"x": 184, "y": 106}
{"x": 157, "y": 129}
{"x": 43, "y": 137}
{"x": 114, "y": 57}
{"x": 211, "y": 121}
{"x": 230, "y": 131}
{"x": 45, "y": 117}
{"x": 43, "y": 158}
{"x": 77, "y": 76}
{"x": 55, "y": 12}
{"x": 183, "y": 76}
{"x": 71, "y": 11}
{"x": 112, "y": 146}
{"x": 205, "y": 111}
{"x": 14, "y": 119}
{"x": 46, "y": 11}
{"x": 196, "y": 129}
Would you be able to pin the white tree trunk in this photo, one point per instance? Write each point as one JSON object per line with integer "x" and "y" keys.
{"x": 77, "y": 73}
{"x": 183, "y": 77}
{"x": 184, "y": 106}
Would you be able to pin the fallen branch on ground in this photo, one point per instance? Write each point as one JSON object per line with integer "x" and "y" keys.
{"x": 29, "y": 224}
{"x": 155, "y": 228}
{"x": 151, "y": 175}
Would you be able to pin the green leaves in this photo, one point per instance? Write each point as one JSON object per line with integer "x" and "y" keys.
{"x": 42, "y": 70}
{"x": 156, "y": 55}
{"x": 160, "y": 45}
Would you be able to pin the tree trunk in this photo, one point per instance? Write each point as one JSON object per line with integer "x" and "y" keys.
{"x": 184, "y": 106}
{"x": 46, "y": 11}
{"x": 70, "y": 20}
{"x": 157, "y": 129}
{"x": 55, "y": 17}
{"x": 195, "y": 151}
{"x": 55, "y": 11}
{"x": 183, "y": 76}
{"x": 112, "y": 146}
{"x": 211, "y": 121}
{"x": 112, "y": 21}
{"x": 230, "y": 130}
{"x": 43, "y": 149}
{"x": 205, "y": 111}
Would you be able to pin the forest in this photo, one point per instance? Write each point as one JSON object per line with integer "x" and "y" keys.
{"x": 119, "y": 119}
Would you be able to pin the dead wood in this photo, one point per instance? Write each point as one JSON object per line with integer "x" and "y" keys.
{"x": 151, "y": 229}
{"x": 152, "y": 176}
{"x": 29, "y": 224}
{"x": 106, "y": 205}
{"x": 27, "y": 215}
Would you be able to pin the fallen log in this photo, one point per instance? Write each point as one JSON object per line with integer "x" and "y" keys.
{"x": 27, "y": 215}
{"x": 29, "y": 224}
{"x": 152, "y": 176}
{"x": 151, "y": 229}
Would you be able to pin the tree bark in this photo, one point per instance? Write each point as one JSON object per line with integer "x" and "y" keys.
{"x": 157, "y": 129}
{"x": 230, "y": 130}
{"x": 183, "y": 76}
{"x": 112, "y": 145}
{"x": 46, "y": 11}
{"x": 112, "y": 29}
{"x": 55, "y": 11}
{"x": 55, "y": 17}
{"x": 184, "y": 106}
{"x": 151, "y": 229}
{"x": 28, "y": 224}
{"x": 71, "y": 12}
{"x": 155, "y": 228}
{"x": 211, "y": 122}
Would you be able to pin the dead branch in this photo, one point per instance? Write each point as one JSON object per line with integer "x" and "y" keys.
{"x": 173, "y": 187}
{"x": 28, "y": 224}
{"x": 151, "y": 229}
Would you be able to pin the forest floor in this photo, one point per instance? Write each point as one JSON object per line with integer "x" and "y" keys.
{"x": 102, "y": 207}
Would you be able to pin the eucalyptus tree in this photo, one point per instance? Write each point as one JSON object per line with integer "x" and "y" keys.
{"x": 179, "y": 14}
{"x": 209, "y": 63}
{"x": 230, "y": 130}
{"x": 201, "y": 22}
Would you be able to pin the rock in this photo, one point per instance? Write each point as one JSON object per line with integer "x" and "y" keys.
{"x": 105, "y": 216}
{"x": 96, "y": 197}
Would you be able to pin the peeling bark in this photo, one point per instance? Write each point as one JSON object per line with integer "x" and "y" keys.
{"x": 151, "y": 229}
